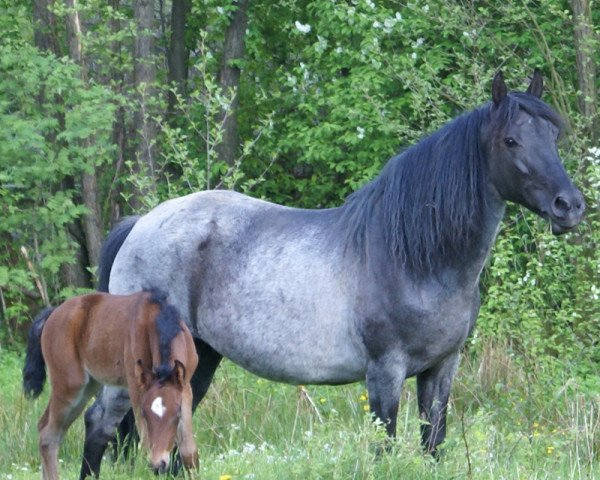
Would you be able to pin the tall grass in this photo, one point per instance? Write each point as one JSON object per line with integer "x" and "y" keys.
{"x": 505, "y": 422}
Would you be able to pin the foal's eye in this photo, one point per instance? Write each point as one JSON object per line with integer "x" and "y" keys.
{"x": 510, "y": 142}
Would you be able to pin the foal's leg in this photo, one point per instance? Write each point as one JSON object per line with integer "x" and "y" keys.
{"x": 433, "y": 391}
{"x": 185, "y": 433}
{"x": 101, "y": 421}
{"x": 65, "y": 405}
{"x": 385, "y": 377}
{"x": 200, "y": 381}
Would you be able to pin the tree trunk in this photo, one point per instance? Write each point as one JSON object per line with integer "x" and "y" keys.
{"x": 144, "y": 74}
{"x": 92, "y": 221}
{"x": 116, "y": 79}
{"x": 585, "y": 45}
{"x": 178, "y": 54}
{"x": 229, "y": 81}
{"x": 44, "y": 27}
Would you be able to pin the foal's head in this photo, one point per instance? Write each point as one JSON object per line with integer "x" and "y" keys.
{"x": 160, "y": 404}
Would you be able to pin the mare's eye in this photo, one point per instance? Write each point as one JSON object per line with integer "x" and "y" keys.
{"x": 510, "y": 142}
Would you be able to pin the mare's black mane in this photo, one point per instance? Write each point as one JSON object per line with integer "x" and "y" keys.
{"x": 430, "y": 200}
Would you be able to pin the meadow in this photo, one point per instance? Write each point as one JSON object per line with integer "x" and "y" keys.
{"x": 505, "y": 422}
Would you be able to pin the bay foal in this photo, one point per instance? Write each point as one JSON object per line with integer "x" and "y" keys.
{"x": 133, "y": 341}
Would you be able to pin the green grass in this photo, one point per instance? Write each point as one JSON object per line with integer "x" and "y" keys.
{"x": 504, "y": 423}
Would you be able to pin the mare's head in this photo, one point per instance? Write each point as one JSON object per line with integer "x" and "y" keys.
{"x": 524, "y": 164}
{"x": 160, "y": 405}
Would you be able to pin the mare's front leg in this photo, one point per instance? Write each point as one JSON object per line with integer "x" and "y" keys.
{"x": 433, "y": 391}
{"x": 385, "y": 377}
{"x": 101, "y": 421}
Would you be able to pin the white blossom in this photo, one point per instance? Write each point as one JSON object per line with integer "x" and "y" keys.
{"x": 301, "y": 27}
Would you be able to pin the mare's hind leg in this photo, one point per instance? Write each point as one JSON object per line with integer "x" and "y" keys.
{"x": 209, "y": 360}
{"x": 101, "y": 421}
{"x": 433, "y": 391}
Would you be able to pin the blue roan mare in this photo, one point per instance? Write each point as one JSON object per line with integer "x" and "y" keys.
{"x": 383, "y": 288}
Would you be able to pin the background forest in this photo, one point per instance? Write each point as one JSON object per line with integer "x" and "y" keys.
{"x": 110, "y": 107}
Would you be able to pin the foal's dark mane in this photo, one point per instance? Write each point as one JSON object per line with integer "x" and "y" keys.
{"x": 430, "y": 200}
{"x": 167, "y": 327}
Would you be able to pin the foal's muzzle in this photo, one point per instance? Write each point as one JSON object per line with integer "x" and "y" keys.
{"x": 160, "y": 468}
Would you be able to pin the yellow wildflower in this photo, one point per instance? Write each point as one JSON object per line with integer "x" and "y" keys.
{"x": 225, "y": 477}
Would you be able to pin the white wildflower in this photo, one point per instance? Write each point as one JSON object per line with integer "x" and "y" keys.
{"x": 376, "y": 24}
{"x": 389, "y": 23}
{"x": 301, "y": 27}
{"x": 360, "y": 133}
{"x": 248, "y": 448}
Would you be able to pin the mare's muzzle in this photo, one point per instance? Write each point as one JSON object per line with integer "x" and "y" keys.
{"x": 566, "y": 211}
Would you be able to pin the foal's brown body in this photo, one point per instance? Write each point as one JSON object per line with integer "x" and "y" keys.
{"x": 101, "y": 339}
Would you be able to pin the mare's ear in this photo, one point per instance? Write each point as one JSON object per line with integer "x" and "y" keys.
{"x": 499, "y": 90}
{"x": 178, "y": 374}
{"x": 536, "y": 87}
{"x": 143, "y": 375}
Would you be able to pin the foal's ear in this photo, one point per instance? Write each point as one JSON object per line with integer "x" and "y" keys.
{"x": 536, "y": 87}
{"x": 499, "y": 90}
{"x": 178, "y": 374}
{"x": 143, "y": 375}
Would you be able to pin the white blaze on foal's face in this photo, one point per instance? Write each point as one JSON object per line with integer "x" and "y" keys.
{"x": 158, "y": 408}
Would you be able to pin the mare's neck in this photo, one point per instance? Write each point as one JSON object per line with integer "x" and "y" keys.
{"x": 474, "y": 260}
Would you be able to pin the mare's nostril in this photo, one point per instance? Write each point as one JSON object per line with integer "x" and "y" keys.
{"x": 561, "y": 205}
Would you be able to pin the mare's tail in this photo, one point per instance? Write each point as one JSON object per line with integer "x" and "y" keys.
{"x": 110, "y": 248}
{"x": 34, "y": 371}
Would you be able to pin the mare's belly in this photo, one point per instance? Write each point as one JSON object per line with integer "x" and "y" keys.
{"x": 293, "y": 341}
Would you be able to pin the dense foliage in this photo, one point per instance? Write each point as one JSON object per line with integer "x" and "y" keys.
{"x": 329, "y": 90}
